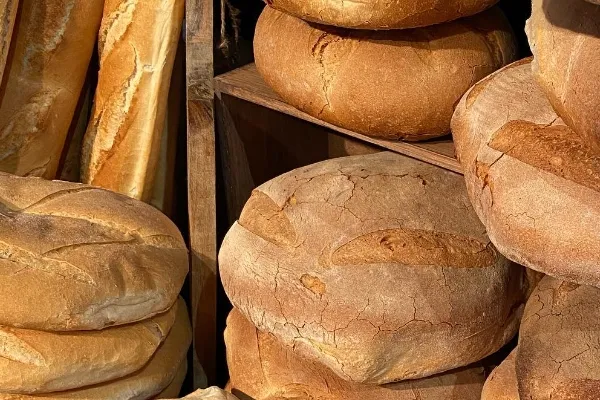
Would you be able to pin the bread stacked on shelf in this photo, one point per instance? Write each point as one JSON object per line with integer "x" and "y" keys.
{"x": 392, "y": 81}
{"x": 361, "y": 272}
{"x": 89, "y": 289}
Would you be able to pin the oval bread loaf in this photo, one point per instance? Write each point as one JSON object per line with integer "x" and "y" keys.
{"x": 565, "y": 39}
{"x": 533, "y": 182}
{"x": 144, "y": 384}
{"x": 54, "y": 41}
{"x": 502, "y": 382}
{"x": 375, "y": 266}
{"x": 262, "y": 368}
{"x": 87, "y": 258}
{"x": 558, "y": 352}
{"x": 373, "y": 14}
{"x": 212, "y": 393}
{"x": 393, "y": 84}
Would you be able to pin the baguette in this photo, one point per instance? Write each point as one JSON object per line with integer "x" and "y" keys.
{"x": 137, "y": 46}
{"x": 54, "y": 44}
{"x": 8, "y": 14}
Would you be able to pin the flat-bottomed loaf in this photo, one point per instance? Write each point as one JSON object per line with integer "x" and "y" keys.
{"x": 144, "y": 384}
{"x": 558, "y": 352}
{"x": 373, "y": 14}
{"x": 54, "y": 41}
{"x": 533, "y": 182}
{"x": 74, "y": 257}
{"x": 391, "y": 84}
{"x": 502, "y": 382}
{"x": 261, "y": 368}
{"x": 375, "y": 266}
{"x": 565, "y": 39}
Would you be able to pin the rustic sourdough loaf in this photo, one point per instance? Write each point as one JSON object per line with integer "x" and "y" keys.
{"x": 558, "y": 351}
{"x": 373, "y": 14}
{"x": 8, "y": 13}
{"x": 533, "y": 182}
{"x": 393, "y": 84}
{"x": 176, "y": 384}
{"x": 502, "y": 382}
{"x": 565, "y": 39}
{"x": 212, "y": 393}
{"x": 262, "y": 368}
{"x": 54, "y": 41}
{"x": 42, "y": 362}
{"x": 137, "y": 45}
{"x": 88, "y": 258}
{"x": 144, "y": 384}
{"x": 375, "y": 266}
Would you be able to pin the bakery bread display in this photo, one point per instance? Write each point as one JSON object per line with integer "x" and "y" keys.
{"x": 502, "y": 382}
{"x": 390, "y": 84}
{"x": 375, "y": 266}
{"x": 373, "y": 14}
{"x": 53, "y": 44}
{"x": 8, "y": 13}
{"x": 137, "y": 46}
{"x": 146, "y": 383}
{"x": 558, "y": 351}
{"x": 565, "y": 39}
{"x": 261, "y": 368}
{"x": 532, "y": 181}
{"x": 88, "y": 258}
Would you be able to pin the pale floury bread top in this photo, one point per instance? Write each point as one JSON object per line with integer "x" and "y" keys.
{"x": 212, "y": 393}
{"x": 400, "y": 84}
{"x": 262, "y": 368}
{"x": 565, "y": 39}
{"x": 374, "y": 14}
{"x": 558, "y": 352}
{"x": 533, "y": 182}
{"x": 374, "y": 265}
{"x": 74, "y": 257}
{"x": 502, "y": 382}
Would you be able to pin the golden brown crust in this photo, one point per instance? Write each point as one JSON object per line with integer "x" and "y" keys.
{"x": 54, "y": 44}
{"x": 530, "y": 177}
{"x": 8, "y": 14}
{"x": 174, "y": 388}
{"x": 373, "y": 14}
{"x": 449, "y": 298}
{"x": 502, "y": 382}
{"x": 89, "y": 258}
{"x": 391, "y": 84}
{"x": 122, "y": 143}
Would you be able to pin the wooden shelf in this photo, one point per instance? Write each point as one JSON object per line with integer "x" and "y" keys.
{"x": 245, "y": 83}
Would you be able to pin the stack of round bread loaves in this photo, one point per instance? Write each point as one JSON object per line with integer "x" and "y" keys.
{"x": 89, "y": 303}
{"x": 393, "y": 70}
{"x": 359, "y": 273}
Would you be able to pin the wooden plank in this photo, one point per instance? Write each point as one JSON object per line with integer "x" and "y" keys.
{"x": 245, "y": 83}
{"x": 201, "y": 185}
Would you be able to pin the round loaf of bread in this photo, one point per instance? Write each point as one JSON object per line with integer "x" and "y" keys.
{"x": 373, "y": 14}
{"x": 174, "y": 388}
{"x": 533, "y": 182}
{"x": 212, "y": 393}
{"x": 42, "y": 362}
{"x": 75, "y": 257}
{"x": 502, "y": 382}
{"x": 261, "y": 368}
{"x": 144, "y": 384}
{"x": 391, "y": 84}
{"x": 375, "y": 266}
{"x": 558, "y": 351}
{"x": 565, "y": 39}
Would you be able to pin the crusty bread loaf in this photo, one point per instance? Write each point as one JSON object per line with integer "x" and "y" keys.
{"x": 87, "y": 258}
{"x": 558, "y": 352}
{"x": 393, "y": 84}
{"x": 373, "y": 14}
{"x": 174, "y": 388}
{"x": 212, "y": 393}
{"x": 374, "y": 265}
{"x": 534, "y": 184}
{"x": 42, "y": 362}
{"x": 137, "y": 45}
{"x": 53, "y": 46}
{"x": 565, "y": 39}
{"x": 8, "y": 14}
{"x": 144, "y": 384}
{"x": 262, "y": 368}
{"x": 502, "y": 382}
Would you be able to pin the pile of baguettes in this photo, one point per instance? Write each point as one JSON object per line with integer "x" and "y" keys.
{"x": 381, "y": 277}
{"x": 89, "y": 279}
